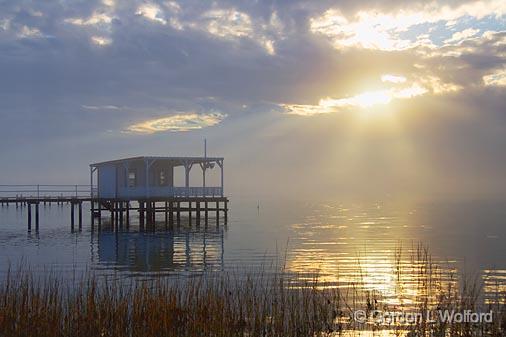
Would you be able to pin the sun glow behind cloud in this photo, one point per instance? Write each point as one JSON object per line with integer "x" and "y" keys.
{"x": 177, "y": 122}
{"x": 361, "y": 101}
{"x": 393, "y": 78}
{"x": 406, "y": 28}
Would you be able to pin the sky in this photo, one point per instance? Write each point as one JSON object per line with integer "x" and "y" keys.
{"x": 304, "y": 99}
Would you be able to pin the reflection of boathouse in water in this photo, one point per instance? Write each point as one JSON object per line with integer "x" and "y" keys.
{"x": 162, "y": 251}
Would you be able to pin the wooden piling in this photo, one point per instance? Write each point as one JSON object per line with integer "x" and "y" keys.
{"x": 190, "y": 213}
{"x": 178, "y": 215}
{"x": 166, "y": 211}
{"x": 153, "y": 214}
{"x": 99, "y": 215}
{"x": 92, "y": 210}
{"x": 113, "y": 215}
{"x": 206, "y": 213}
{"x": 36, "y": 216}
{"x": 141, "y": 215}
{"x": 198, "y": 213}
{"x": 127, "y": 214}
{"x": 171, "y": 215}
{"x": 121, "y": 214}
{"x": 72, "y": 216}
{"x": 217, "y": 212}
{"x": 80, "y": 216}
{"x": 225, "y": 210}
{"x": 29, "y": 218}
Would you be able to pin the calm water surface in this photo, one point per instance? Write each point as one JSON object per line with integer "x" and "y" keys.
{"x": 344, "y": 243}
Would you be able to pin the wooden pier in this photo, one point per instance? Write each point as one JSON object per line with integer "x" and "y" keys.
{"x": 197, "y": 211}
{"x": 119, "y": 213}
{"x": 142, "y": 185}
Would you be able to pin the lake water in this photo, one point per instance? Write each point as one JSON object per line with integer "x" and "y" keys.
{"x": 345, "y": 244}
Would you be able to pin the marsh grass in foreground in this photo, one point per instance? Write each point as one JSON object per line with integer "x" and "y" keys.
{"x": 231, "y": 305}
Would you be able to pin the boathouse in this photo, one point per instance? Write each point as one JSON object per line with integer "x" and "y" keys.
{"x": 152, "y": 178}
{"x": 143, "y": 184}
{"x": 147, "y": 185}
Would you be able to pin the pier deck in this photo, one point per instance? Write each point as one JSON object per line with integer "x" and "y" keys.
{"x": 195, "y": 210}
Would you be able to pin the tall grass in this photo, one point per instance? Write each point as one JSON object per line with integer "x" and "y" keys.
{"x": 231, "y": 305}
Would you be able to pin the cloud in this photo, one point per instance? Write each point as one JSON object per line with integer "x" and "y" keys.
{"x": 368, "y": 99}
{"x": 497, "y": 78}
{"x": 100, "y": 107}
{"x": 401, "y": 29}
{"x": 362, "y": 100}
{"x": 224, "y": 23}
{"x": 29, "y": 32}
{"x": 4, "y": 24}
{"x": 97, "y": 18}
{"x": 465, "y": 34}
{"x": 98, "y": 25}
{"x": 393, "y": 78}
{"x": 151, "y": 12}
{"x": 101, "y": 40}
{"x": 177, "y": 122}
{"x": 227, "y": 23}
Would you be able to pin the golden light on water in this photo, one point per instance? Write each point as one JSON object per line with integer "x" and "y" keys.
{"x": 356, "y": 250}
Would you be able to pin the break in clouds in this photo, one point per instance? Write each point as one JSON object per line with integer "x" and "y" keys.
{"x": 94, "y": 70}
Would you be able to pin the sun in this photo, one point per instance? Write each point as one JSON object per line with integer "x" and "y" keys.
{"x": 368, "y": 99}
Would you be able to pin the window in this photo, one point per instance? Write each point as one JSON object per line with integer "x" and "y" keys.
{"x": 132, "y": 178}
{"x": 162, "y": 179}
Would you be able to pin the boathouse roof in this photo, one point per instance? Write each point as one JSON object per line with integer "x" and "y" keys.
{"x": 179, "y": 160}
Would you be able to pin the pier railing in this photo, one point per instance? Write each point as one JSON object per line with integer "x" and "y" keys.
{"x": 169, "y": 191}
{"x": 55, "y": 192}
{"x": 45, "y": 191}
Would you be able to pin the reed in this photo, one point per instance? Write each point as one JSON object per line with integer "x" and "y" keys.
{"x": 232, "y": 304}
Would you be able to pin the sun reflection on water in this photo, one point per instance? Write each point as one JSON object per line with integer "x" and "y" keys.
{"x": 371, "y": 250}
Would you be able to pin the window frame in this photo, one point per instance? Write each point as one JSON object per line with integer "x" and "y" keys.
{"x": 130, "y": 179}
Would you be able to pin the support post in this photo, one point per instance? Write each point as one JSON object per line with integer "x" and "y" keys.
{"x": 99, "y": 215}
{"x": 187, "y": 169}
{"x": 72, "y": 216}
{"x": 217, "y": 213}
{"x": 29, "y": 217}
{"x": 36, "y": 217}
{"x": 198, "y": 213}
{"x": 171, "y": 214}
{"x": 190, "y": 213}
{"x": 166, "y": 211}
{"x": 206, "y": 213}
{"x": 113, "y": 221}
{"x": 91, "y": 182}
{"x": 127, "y": 214}
{"x": 178, "y": 215}
{"x": 80, "y": 216}
{"x": 141, "y": 215}
{"x": 148, "y": 214}
{"x": 146, "y": 164}
{"x": 121, "y": 214}
{"x": 92, "y": 206}
{"x": 153, "y": 210}
{"x": 220, "y": 163}
{"x": 226, "y": 211}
